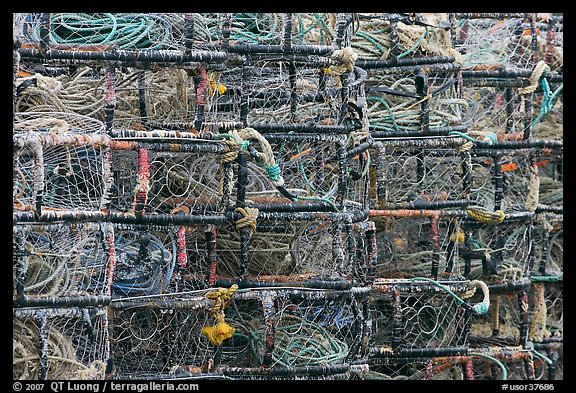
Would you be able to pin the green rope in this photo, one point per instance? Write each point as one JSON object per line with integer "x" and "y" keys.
{"x": 274, "y": 172}
{"x": 302, "y": 172}
{"x": 127, "y": 31}
{"x": 498, "y": 362}
{"x": 416, "y": 44}
{"x": 547, "y": 100}
{"x": 318, "y": 199}
{"x": 559, "y": 277}
{"x": 490, "y": 135}
{"x": 480, "y": 308}
{"x": 530, "y": 347}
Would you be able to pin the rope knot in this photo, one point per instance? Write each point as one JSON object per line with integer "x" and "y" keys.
{"x": 275, "y": 175}
{"x": 221, "y": 330}
{"x": 347, "y": 57}
{"x": 249, "y": 219}
{"x": 484, "y": 216}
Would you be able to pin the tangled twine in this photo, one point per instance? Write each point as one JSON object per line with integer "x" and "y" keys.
{"x": 62, "y": 359}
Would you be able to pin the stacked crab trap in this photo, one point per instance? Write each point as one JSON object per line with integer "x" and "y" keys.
{"x": 287, "y": 196}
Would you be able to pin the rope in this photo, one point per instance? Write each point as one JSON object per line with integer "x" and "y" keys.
{"x": 479, "y": 308}
{"x": 533, "y": 190}
{"x": 56, "y": 126}
{"x": 221, "y": 330}
{"x": 347, "y": 56}
{"x": 62, "y": 360}
{"x": 486, "y": 137}
{"x": 249, "y": 219}
{"x": 538, "y": 321}
{"x": 297, "y": 341}
{"x": 266, "y": 157}
{"x": 127, "y": 31}
{"x": 484, "y": 216}
{"x": 547, "y": 102}
{"x": 540, "y": 69}
{"x": 498, "y": 362}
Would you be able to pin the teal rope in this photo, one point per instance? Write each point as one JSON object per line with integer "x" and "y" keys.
{"x": 127, "y": 31}
{"x": 498, "y": 362}
{"x": 491, "y": 136}
{"x": 274, "y": 172}
{"x": 557, "y": 278}
{"x": 547, "y": 100}
{"x": 479, "y": 308}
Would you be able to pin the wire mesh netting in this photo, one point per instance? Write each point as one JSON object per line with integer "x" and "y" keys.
{"x": 62, "y": 260}
{"x": 288, "y": 196}
{"x": 60, "y": 344}
{"x": 169, "y": 332}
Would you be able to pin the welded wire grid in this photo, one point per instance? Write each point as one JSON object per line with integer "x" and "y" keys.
{"x": 60, "y": 344}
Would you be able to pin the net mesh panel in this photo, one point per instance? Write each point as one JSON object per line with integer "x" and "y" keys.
{"x": 493, "y": 41}
{"x": 270, "y": 89}
{"x": 76, "y": 343}
{"x": 59, "y": 157}
{"x": 375, "y": 36}
{"x": 283, "y": 248}
{"x": 311, "y": 170}
{"x": 150, "y": 342}
{"x": 428, "y": 320}
{"x": 516, "y": 174}
{"x": 163, "y": 341}
{"x": 406, "y": 247}
{"x": 508, "y": 248}
{"x": 63, "y": 260}
{"x": 506, "y": 310}
{"x": 145, "y": 260}
{"x": 409, "y": 173}
{"x": 175, "y": 180}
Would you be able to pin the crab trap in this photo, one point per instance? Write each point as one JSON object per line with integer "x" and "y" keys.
{"x": 421, "y": 317}
{"x": 382, "y": 193}
{"x": 421, "y": 173}
{"x": 487, "y": 363}
{"x": 153, "y": 176}
{"x": 277, "y": 333}
{"x": 60, "y": 343}
{"x": 509, "y": 178}
{"x": 304, "y": 249}
{"x": 512, "y": 74}
{"x": 63, "y": 264}
{"x": 61, "y": 162}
